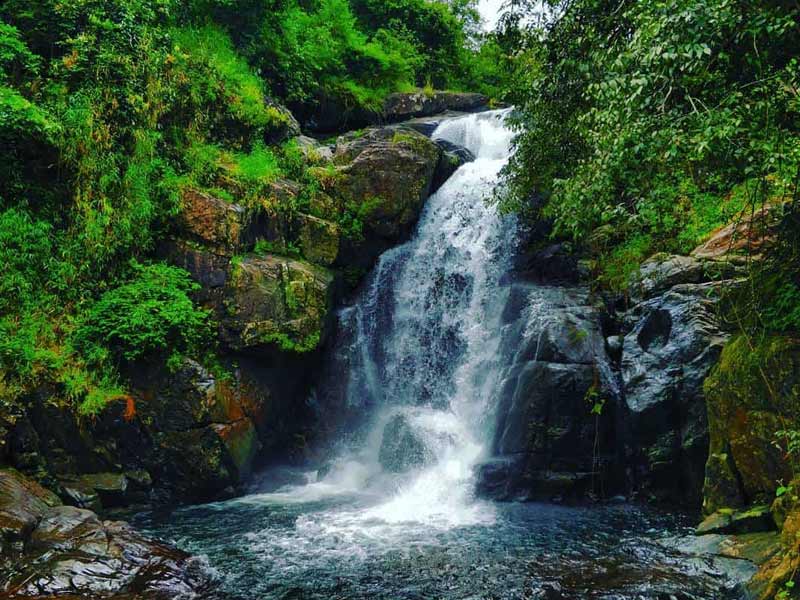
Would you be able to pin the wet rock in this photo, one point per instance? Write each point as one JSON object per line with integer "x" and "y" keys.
{"x": 549, "y": 591}
{"x": 552, "y": 265}
{"x": 402, "y": 448}
{"x": 754, "y": 520}
{"x": 674, "y": 342}
{"x": 97, "y": 490}
{"x": 719, "y": 522}
{"x": 23, "y": 502}
{"x": 547, "y": 438}
{"x": 400, "y": 107}
{"x": 453, "y": 156}
{"x": 50, "y": 549}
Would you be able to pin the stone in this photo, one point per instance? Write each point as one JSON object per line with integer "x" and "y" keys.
{"x": 749, "y": 235}
{"x": 719, "y": 522}
{"x": 289, "y": 128}
{"x": 213, "y": 222}
{"x": 548, "y": 443}
{"x": 744, "y": 416}
{"x": 70, "y": 552}
{"x": 389, "y": 172}
{"x": 403, "y": 106}
{"x": 673, "y": 343}
{"x": 721, "y": 486}
{"x": 319, "y": 240}
{"x": 277, "y": 301}
{"x": 453, "y": 156}
{"x": 402, "y": 448}
{"x": 23, "y": 502}
{"x": 313, "y": 150}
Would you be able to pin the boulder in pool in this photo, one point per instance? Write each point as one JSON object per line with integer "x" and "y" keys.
{"x": 402, "y": 448}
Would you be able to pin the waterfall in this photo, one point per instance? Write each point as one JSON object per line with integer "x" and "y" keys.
{"x": 419, "y": 354}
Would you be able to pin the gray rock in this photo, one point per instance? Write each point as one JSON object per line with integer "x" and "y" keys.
{"x": 314, "y": 150}
{"x": 757, "y": 519}
{"x": 403, "y": 106}
{"x": 453, "y": 156}
{"x": 547, "y": 438}
{"x": 663, "y": 272}
{"x": 674, "y": 342}
{"x": 290, "y": 129}
{"x": 70, "y": 551}
{"x": 402, "y": 448}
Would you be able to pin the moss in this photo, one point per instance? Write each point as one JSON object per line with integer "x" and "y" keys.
{"x": 287, "y": 344}
{"x": 751, "y": 395}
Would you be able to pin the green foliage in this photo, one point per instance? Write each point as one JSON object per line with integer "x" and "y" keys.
{"x": 17, "y": 62}
{"x": 215, "y": 86}
{"x": 287, "y": 344}
{"x": 643, "y": 116}
{"x": 151, "y": 314}
{"x": 109, "y": 109}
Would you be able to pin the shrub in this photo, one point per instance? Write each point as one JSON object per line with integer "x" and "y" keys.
{"x": 150, "y": 314}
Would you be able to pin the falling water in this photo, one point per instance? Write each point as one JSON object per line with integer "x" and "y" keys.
{"x": 421, "y": 347}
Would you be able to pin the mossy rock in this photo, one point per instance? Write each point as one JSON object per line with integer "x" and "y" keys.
{"x": 277, "y": 301}
{"x": 752, "y": 394}
{"x": 319, "y": 239}
{"x": 388, "y": 171}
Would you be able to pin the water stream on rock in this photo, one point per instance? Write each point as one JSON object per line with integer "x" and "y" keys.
{"x": 393, "y": 513}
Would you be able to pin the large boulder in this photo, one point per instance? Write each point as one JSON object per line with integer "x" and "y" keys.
{"x": 557, "y": 403}
{"x": 402, "y": 448}
{"x": 748, "y": 235}
{"x": 386, "y": 174}
{"x": 453, "y": 157}
{"x": 404, "y": 106}
{"x": 673, "y": 341}
{"x": 53, "y": 550}
{"x": 181, "y": 435}
{"x": 277, "y": 301}
{"x": 753, "y": 395}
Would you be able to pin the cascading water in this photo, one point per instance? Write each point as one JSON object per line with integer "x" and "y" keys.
{"x": 393, "y": 514}
{"x": 421, "y": 346}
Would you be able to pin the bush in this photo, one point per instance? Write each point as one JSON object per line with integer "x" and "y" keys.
{"x": 644, "y": 115}
{"x": 152, "y": 314}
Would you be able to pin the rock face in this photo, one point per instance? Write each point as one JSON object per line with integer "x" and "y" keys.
{"x": 276, "y": 300}
{"x": 331, "y": 116}
{"x": 453, "y": 157}
{"x": 401, "y": 107}
{"x": 53, "y": 550}
{"x": 180, "y": 436}
{"x": 391, "y": 170}
{"x": 673, "y": 343}
{"x": 548, "y": 442}
{"x": 746, "y": 411}
{"x": 386, "y": 174}
{"x": 748, "y": 235}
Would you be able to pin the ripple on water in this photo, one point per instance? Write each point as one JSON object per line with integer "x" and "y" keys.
{"x": 262, "y": 548}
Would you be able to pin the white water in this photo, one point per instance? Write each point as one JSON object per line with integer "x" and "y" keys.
{"x": 424, "y": 340}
